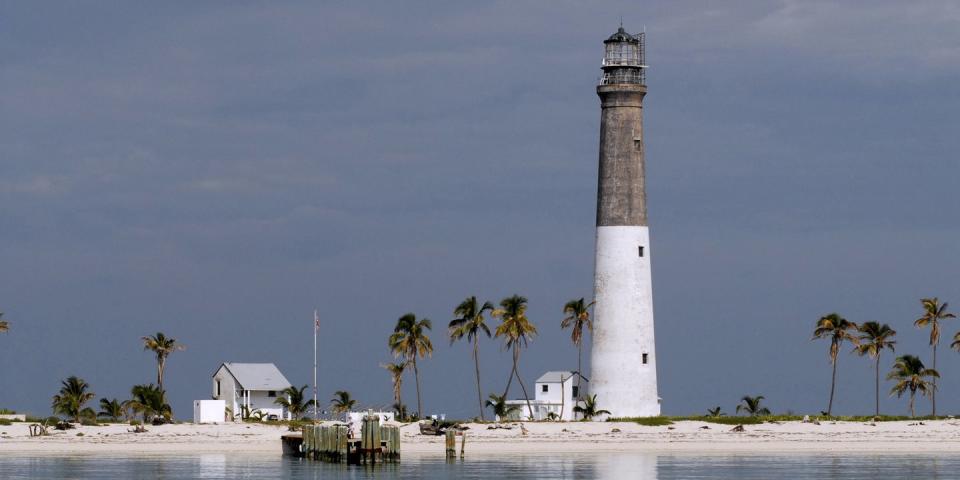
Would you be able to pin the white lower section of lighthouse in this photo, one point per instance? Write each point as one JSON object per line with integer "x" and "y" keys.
{"x": 623, "y": 359}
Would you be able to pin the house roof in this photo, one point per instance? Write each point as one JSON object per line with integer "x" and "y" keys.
{"x": 257, "y": 376}
{"x": 554, "y": 377}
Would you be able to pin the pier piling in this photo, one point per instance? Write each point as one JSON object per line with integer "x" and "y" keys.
{"x": 377, "y": 443}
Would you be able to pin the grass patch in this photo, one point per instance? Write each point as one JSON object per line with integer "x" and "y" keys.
{"x": 645, "y": 421}
{"x": 741, "y": 420}
{"x": 871, "y": 418}
{"x": 724, "y": 420}
{"x": 756, "y": 420}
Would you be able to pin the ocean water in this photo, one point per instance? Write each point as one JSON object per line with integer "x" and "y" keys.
{"x": 546, "y": 466}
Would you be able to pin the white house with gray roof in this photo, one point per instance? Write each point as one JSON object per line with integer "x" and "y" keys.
{"x": 554, "y": 391}
{"x": 250, "y": 387}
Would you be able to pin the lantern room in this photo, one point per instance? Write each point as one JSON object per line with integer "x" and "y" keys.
{"x": 623, "y": 59}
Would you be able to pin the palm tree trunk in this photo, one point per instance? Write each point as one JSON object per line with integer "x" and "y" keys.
{"x": 522, "y": 386}
{"x": 878, "y": 384}
{"x": 833, "y": 384}
{"x": 513, "y": 370}
{"x": 399, "y": 396}
{"x": 563, "y": 397}
{"x": 476, "y": 362}
{"x": 416, "y": 373}
{"x": 576, "y": 401}
{"x": 160, "y": 361}
{"x": 912, "y": 414}
{"x": 933, "y": 393}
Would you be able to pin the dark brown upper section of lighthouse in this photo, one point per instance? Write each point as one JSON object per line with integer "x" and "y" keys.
{"x": 621, "y": 193}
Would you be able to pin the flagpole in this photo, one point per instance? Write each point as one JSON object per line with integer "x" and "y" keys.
{"x": 316, "y": 329}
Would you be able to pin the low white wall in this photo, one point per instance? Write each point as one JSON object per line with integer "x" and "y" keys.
{"x": 356, "y": 418}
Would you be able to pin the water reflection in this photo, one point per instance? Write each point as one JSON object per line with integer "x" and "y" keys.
{"x": 609, "y": 466}
{"x": 624, "y": 466}
{"x": 212, "y": 465}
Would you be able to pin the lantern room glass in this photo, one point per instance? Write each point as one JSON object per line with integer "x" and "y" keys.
{"x": 622, "y": 53}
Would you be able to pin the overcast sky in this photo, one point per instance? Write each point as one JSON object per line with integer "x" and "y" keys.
{"x": 217, "y": 170}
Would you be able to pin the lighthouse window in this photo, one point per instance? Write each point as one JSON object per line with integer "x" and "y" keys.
{"x": 644, "y": 358}
{"x": 545, "y": 388}
{"x": 640, "y": 248}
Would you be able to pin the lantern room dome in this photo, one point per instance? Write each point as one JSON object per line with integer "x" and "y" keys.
{"x": 621, "y": 36}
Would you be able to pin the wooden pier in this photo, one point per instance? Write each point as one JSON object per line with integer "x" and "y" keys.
{"x": 376, "y": 444}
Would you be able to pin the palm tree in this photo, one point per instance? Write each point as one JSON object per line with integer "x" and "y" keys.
{"x": 589, "y": 408}
{"x": 396, "y": 377}
{"x": 470, "y": 323}
{"x": 501, "y": 410}
{"x": 150, "y": 401}
{"x": 401, "y": 410}
{"x": 910, "y": 374}
{"x": 751, "y": 406}
{"x": 837, "y": 329}
{"x": 873, "y": 339}
{"x": 111, "y": 409}
{"x": 292, "y": 400}
{"x": 516, "y": 331}
{"x": 933, "y": 313}
{"x": 577, "y": 316}
{"x": 74, "y": 394}
{"x": 162, "y": 347}
{"x": 409, "y": 341}
{"x": 956, "y": 342}
{"x": 341, "y": 402}
{"x": 714, "y": 412}
{"x": 4, "y": 325}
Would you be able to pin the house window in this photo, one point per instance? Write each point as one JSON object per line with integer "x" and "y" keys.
{"x": 576, "y": 391}
{"x": 218, "y": 388}
{"x": 272, "y": 393}
{"x": 545, "y": 388}
{"x": 640, "y": 248}
{"x": 644, "y": 358}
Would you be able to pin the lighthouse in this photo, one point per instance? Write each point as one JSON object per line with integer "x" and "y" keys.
{"x": 623, "y": 359}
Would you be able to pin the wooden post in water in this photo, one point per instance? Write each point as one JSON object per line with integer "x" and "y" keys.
{"x": 390, "y": 443}
{"x": 451, "y": 443}
{"x": 308, "y": 441}
{"x": 342, "y": 443}
{"x": 326, "y": 443}
{"x": 370, "y": 438}
{"x": 463, "y": 443}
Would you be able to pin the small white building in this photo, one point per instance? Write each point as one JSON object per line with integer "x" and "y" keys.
{"x": 250, "y": 387}
{"x": 554, "y": 390}
{"x": 209, "y": 411}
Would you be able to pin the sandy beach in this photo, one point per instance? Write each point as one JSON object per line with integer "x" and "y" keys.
{"x": 941, "y": 436}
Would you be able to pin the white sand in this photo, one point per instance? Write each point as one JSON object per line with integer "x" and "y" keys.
{"x": 683, "y": 437}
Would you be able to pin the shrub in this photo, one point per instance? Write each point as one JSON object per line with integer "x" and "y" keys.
{"x": 89, "y": 422}
{"x": 5, "y": 422}
{"x": 134, "y": 423}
